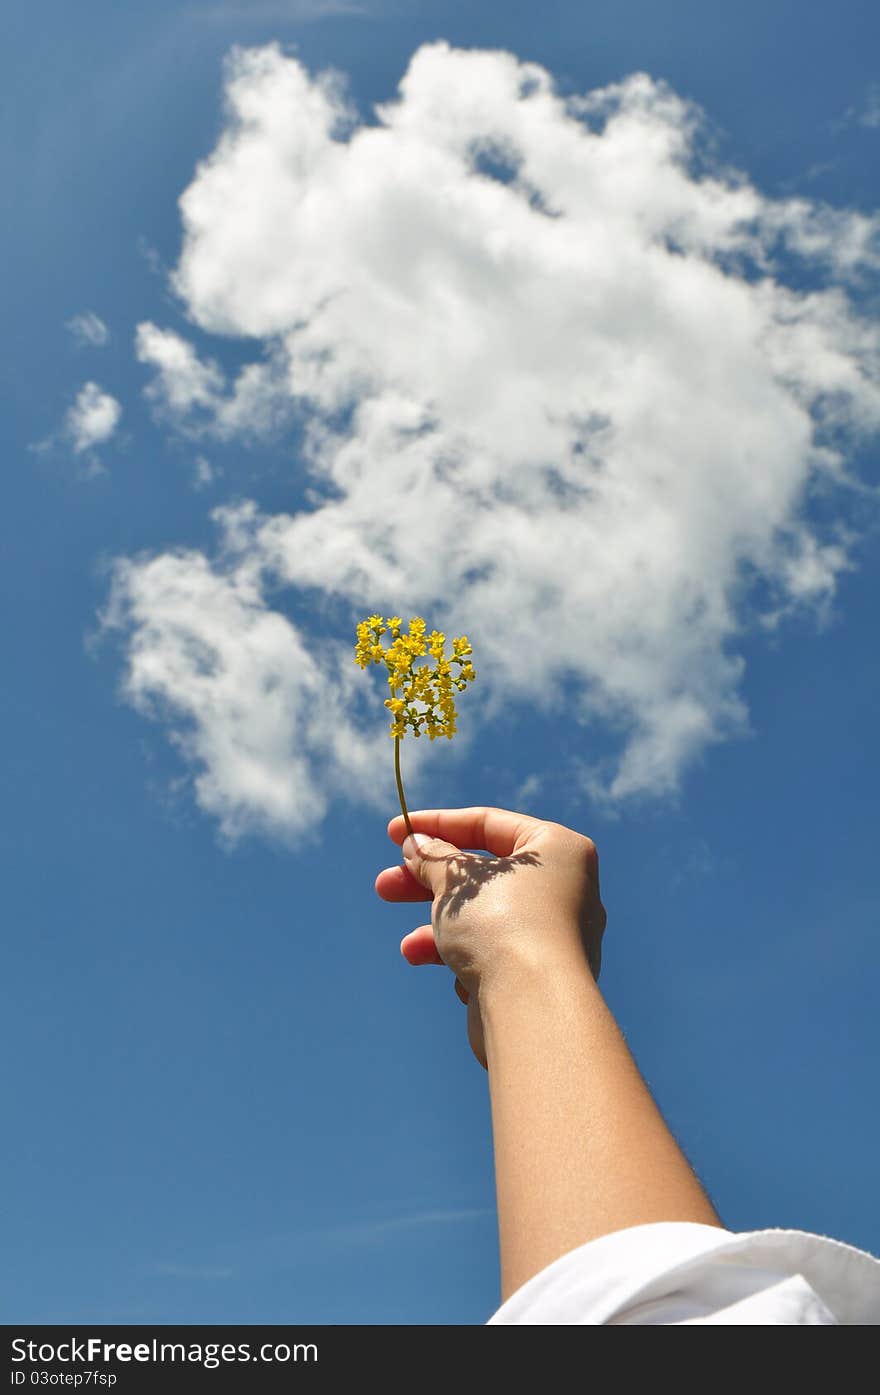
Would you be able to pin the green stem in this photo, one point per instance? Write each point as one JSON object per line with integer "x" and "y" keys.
{"x": 400, "y": 794}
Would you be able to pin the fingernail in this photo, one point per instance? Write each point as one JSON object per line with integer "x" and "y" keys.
{"x": 411, "y": 843}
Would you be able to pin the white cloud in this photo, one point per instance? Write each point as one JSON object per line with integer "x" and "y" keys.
{"x": 93, "y": 418}
{"x": 572, "y": 409}
{"x": 193, "y": 397}
{"x": 264, "y": 720}
{"x": 88, "y": 329}
{"x": 183, "y": 383}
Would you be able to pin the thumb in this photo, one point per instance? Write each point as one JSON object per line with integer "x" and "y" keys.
{"x": 427, "y": 859}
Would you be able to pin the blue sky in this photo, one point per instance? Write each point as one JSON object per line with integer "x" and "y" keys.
{"x": 227, "y": 1097}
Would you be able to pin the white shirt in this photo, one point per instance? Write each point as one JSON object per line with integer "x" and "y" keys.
{"x": 682, "y": 1273}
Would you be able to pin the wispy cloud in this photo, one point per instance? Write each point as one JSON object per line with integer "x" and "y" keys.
{"x": 374, "y": 1232}
{"x": 207, "y": 1273}
{"x": 237, "y": 13}
{"x": 88, "y": 330}
{"x": 695, "y": 863}
{"x": 865, "y": 112}
{"x": 527, "y": 790}
{"x": 302, "y": 1246}
{"x": 192, "y": 396}
{"x": 204, "y": 473}
{"x": 561, "y": 390}
{"x": 869, "y": 115}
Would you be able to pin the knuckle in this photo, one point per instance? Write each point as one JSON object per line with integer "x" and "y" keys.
{"x": 574, "y": 842}
{"x": 584, "y": 849}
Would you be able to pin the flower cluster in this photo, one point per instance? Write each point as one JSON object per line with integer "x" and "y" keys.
{"x": 422, "y": 695}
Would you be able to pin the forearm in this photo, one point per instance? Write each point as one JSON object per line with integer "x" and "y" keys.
{"x": 580, "y": 1147}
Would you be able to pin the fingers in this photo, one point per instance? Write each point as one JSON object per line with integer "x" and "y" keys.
{"x": 399, "y": 884}
{"x": 499, "y": 831}
{"x": 418, "y": 947}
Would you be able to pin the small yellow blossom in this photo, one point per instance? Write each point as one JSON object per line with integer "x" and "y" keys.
{"x": 422, "y": 695}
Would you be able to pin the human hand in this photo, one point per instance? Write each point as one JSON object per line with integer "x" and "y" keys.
{"x": 534, "y": 901}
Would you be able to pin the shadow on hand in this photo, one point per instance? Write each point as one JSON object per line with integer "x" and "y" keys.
{"x": 469, "y": 873}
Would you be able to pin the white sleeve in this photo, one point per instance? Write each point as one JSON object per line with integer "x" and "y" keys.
{"x": 681, "y": 1273}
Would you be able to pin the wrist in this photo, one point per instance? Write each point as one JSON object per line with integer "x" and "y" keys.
{"x": 535, "y": 977}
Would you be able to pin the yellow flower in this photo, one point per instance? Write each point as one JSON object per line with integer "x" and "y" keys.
{"x": 422, "y": 694}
